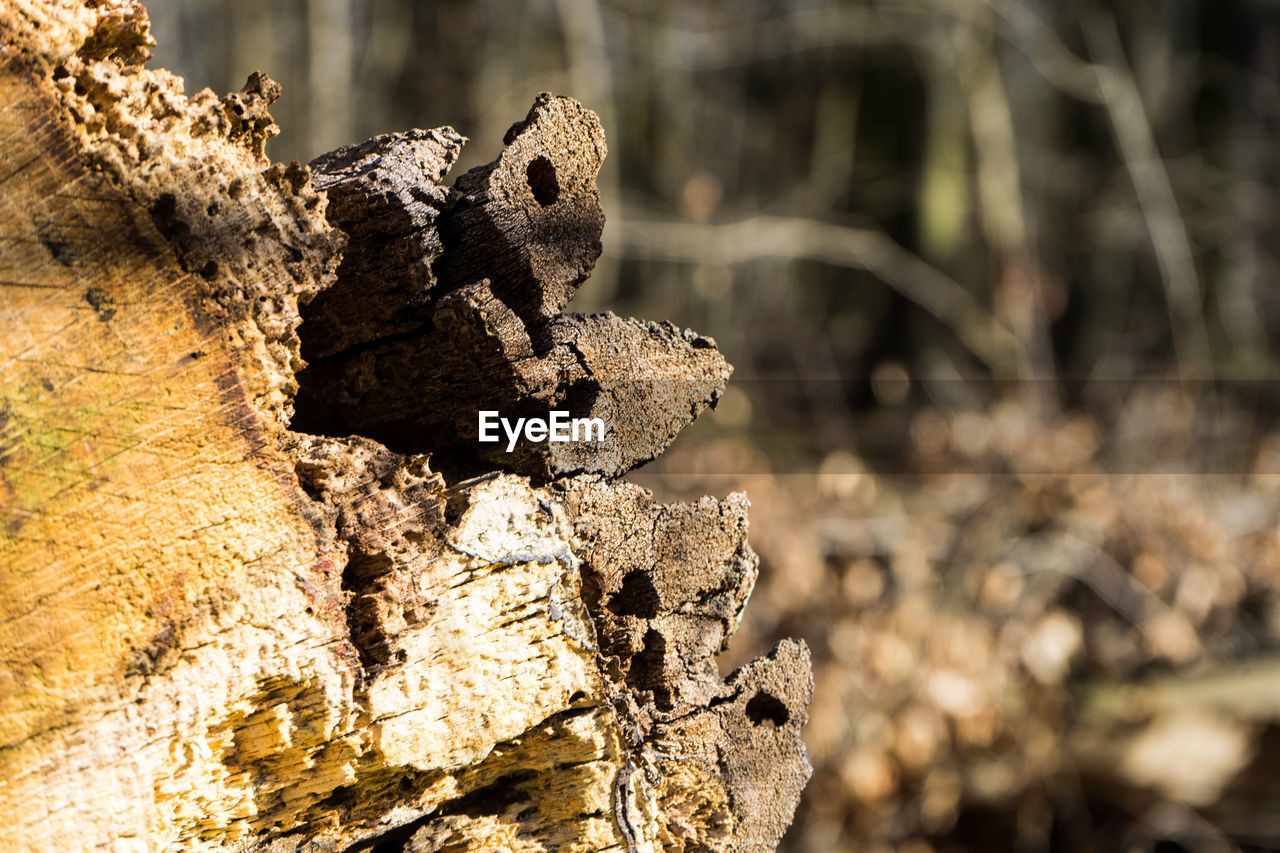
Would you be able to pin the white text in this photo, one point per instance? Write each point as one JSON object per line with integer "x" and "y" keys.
{"x": 557, "y": 426}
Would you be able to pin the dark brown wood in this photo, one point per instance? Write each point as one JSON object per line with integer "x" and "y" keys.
{"x": 446, "y": 307}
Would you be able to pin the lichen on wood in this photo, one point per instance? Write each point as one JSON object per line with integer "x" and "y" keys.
{"x": 227, "y": 626}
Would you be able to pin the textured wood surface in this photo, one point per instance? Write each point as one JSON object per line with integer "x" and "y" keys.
{"x": 452, "y": 305}
{"x": 224, "y": 627}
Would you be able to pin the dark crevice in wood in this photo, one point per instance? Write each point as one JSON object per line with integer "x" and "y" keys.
{"x": 764, "y": 708}
{"x": 494, "y": 798}
{"x": 542, "y": 181}
{"x": 635, "y": 597}
{"x": 384, "y": 508}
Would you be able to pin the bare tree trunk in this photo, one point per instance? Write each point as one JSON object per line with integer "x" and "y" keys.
{"x": 221, "y": 632}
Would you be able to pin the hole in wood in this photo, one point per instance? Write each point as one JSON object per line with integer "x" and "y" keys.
{"x": 541, "y": 173}
{"x": 766, "y": 708}
{"x": 649, "y": 667}
{"x": 635, "y": 597}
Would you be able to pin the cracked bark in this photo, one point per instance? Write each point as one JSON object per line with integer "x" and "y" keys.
{"x": 229, "y": 626}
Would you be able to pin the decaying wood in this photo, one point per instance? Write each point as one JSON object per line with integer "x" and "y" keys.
{"x": 444, "y": 307}
{"x": 227, "y": 627}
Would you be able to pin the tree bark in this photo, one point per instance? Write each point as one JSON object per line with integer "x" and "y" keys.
{"x": 225, "y": 625}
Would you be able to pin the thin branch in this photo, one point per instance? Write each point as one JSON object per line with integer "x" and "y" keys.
{"x": 330, "y": 67}
{"x": 1000, "y": 194}
{"x": 1052, "y": 59}
{"x": 1137, "y": 145}
{"x": 793, "y": 238}
{"x": 1248, "y": 689}
{"x": 589, "y": 72}
{"x": 699, "y": 49}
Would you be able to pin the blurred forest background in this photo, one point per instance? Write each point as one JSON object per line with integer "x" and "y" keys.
{"x": 1001, "y": 283}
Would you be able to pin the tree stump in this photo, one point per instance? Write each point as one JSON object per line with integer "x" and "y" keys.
{"x": 227, "y": 624}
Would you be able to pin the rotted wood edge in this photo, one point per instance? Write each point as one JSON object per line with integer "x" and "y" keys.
{"x": 577, "y": 706}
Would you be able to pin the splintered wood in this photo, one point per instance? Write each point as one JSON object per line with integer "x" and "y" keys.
{"x": 225, "y": 625}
